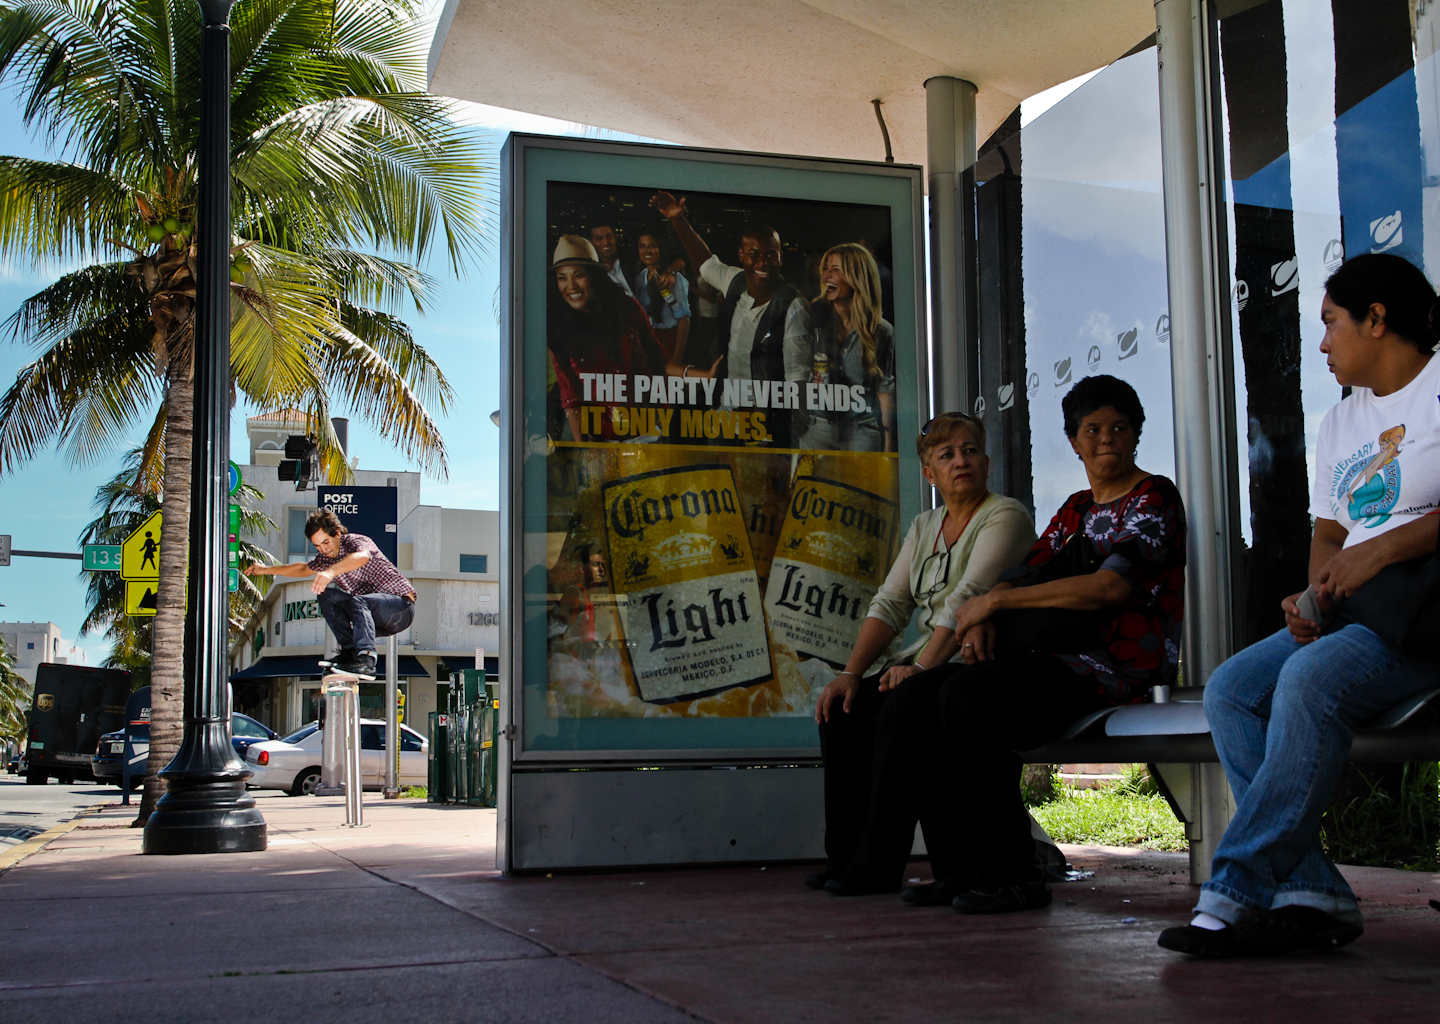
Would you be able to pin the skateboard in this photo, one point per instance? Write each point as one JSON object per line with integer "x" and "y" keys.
{"x": 333, "y": 674}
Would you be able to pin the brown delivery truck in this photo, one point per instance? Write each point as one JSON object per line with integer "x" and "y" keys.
{"x": 72, "y": 708}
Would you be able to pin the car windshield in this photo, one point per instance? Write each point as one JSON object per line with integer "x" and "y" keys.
{"x": 301, "y": 733}
{"x": 240, "y": 725}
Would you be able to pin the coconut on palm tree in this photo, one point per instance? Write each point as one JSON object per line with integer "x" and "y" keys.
{"x": 337, "y": 154}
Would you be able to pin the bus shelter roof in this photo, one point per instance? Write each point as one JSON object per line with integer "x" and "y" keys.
{"x": 778, "y": 76}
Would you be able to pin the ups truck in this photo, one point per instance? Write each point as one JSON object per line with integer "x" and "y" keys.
{"x": 73, "y": 706}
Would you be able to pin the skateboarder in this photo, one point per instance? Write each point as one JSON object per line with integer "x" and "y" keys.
{"x": 361, "y": 593}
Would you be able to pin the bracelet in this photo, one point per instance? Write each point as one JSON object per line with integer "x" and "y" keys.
{"x": 920, "y": 665}
{"x": 686, "y": 372}
{"x": 847, "y": 672}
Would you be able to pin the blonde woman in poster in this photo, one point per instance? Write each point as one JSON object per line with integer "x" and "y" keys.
{"x": 853, "y": 345}
{"x": 951, "y": 554}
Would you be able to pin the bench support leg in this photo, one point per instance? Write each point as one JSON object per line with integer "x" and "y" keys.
{"x": 1199, "y": 794}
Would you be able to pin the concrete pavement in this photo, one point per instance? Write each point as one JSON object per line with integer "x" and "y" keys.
{"x": 407, "y": 919}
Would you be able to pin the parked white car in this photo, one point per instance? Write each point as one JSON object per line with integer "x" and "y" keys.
{"x": 293, "y": 763}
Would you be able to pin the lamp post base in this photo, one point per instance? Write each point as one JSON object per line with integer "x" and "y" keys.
{"x": 206, "y": 808}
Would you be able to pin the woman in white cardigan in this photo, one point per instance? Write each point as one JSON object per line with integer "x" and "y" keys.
{"x": 951, "y": 554}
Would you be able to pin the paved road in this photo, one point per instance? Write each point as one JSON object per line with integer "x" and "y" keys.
{"x": 40, "y": 807}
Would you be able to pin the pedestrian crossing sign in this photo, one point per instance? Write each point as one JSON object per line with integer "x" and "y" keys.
{"x": 140, "y": 553}
{"x": 140, "y": 596}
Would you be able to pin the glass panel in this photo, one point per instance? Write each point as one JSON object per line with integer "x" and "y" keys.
{"x": 1332, "y": 147}
{"x": 299, "y": 547}
{"x": 372, "y": 737}
{"x": 1071, "y": 233}
{"x": 474, "y": 563}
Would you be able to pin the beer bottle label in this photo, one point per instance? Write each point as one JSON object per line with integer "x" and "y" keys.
{"x": 685, "y": 581}
{"x": 832, "y": 557}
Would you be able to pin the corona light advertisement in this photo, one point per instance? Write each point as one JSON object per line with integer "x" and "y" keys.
{"x": 832, "y": 557}
{"x": 711, "y": 466}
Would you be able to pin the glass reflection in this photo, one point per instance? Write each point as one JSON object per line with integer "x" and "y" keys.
{"x": 1330, "y": 122}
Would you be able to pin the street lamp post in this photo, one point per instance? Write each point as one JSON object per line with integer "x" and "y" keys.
{"x": 205, "y": 808}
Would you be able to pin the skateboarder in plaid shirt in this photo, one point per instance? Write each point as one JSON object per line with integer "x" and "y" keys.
{"x": 361, "y": 593}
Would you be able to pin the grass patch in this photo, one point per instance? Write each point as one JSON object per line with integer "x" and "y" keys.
{"x": 1385, "y": 816}
{"x": 1111, "y": 817}
{"x": 414, "y": 793}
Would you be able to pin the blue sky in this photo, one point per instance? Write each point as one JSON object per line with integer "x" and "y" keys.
{"x": 45, "y": 504}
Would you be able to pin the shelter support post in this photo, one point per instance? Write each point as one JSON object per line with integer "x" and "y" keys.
{"x": 1195, "y": 251}
{"x": 950, "y": 136}
{"x": 392, "y": 721}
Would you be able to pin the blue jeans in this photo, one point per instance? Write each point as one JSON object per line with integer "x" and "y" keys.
{"x": 357, "y": 619}
{"x": 1284, "y": 715}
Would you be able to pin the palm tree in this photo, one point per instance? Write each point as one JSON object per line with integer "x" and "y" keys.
{"x": 14, "y": 699}
{"x": 335, "y": 149}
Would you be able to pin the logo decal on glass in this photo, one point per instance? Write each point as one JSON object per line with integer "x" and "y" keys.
{"x": 1129, "y": 342}
{"x": 1092, "y": 358}
{"x": 1386, "y": 233}
{"x": 1006, "y": 396}
{"x": 1162, "y": 329}
{"x": 980, "y": 407}
{"x": 1032, "y": 385}
{"x": 1333, "y": 256}
{"x": 1285, "y": 276}
{"x": 1242, "y": 294}
{"x": 1062, "y": 372}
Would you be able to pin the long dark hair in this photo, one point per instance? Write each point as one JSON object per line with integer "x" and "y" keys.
{"x": 649, "y": 296}
{"x": 1395, "y": 283}
{"x": 603, "y": 319}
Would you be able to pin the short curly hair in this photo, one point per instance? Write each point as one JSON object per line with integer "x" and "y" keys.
{"x": 324, "y": 520}
{"x": 1096, "y": 393}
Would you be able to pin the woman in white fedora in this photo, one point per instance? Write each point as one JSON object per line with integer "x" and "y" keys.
{"x": 594, "y": 327}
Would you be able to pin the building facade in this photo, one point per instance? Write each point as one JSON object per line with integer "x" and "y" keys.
{"x": 32, "y": 643}
{"x": 450, "y": 555}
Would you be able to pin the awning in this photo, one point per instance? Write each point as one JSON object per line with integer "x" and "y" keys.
{"x": 276, "y": 666}
{"x": 457, "y": 662}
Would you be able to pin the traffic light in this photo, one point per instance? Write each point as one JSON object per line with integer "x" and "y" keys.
{"x": 4, "y": 549}
{"x": 299, "y": 462}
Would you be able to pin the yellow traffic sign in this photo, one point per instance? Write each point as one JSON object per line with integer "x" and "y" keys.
{"x": 140, "y": 596}
{"x": 140, "y": 552}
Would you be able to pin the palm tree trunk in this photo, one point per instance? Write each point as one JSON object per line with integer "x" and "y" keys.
{"x": 167, "y": 670}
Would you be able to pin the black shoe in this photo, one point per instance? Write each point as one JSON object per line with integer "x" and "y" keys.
{"x": 343, "y": 656}
{"x": 817, "y": 880}
{"x": 840, "y": 887}
{"x": 1317, "y": 930}
{"x": 1202, "y": 942}
{"x": 364, "y": 665}
{"x": 934, "y": 894}
{"x": 1002, "y": 899}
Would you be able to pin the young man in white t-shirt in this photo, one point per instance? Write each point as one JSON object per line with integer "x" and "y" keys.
{"x": 1283, "y": 712}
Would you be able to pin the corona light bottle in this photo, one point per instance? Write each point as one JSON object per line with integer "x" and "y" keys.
{"x": 685, "y": 582}
{"x": 833, "y": 553}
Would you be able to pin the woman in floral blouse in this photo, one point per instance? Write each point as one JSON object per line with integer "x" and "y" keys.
{"x": 1089, "y": 620}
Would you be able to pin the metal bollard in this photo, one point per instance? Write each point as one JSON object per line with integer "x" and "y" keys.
{"x": 354, "y": 786}
{"x": 392, "y": 721}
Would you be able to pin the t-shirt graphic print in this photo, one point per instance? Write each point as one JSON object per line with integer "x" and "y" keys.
{"x": 1378, "y": 458}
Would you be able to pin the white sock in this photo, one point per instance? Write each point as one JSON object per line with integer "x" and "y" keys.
{"x": 1208, "y": 922}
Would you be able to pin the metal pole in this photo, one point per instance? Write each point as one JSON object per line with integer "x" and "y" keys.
{"x": 950, "y": 137}
{"x": 1204, "y": 455}
{"x": 354, "y": 784}
{"x": 206, "y": 808}
{"x": 332, "y": 734}
{"x": 392, "y": 722}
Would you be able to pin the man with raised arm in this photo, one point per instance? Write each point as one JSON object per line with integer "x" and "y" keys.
{"x": 764, "y": 325}
{"x": 361, "y": 593}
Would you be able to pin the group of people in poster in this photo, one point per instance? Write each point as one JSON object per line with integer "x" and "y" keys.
{"x": 783, "y": 372}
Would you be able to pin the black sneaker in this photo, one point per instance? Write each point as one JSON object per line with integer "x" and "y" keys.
{"x": 1206, "y": 943}
{"x": 341, "y": 657}
{"x": 1316, "y": 929}
{"x": 365, "y": 665}
{"x": 841, "y": 887}
{"x": 1002, "y": 899}
{"x": 935, "y": 894}
{"x": 817, "y": 880}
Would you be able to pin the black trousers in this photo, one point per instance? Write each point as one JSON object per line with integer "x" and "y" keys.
{"x": 847, "y": 749}
{"x": 944, "y": 755}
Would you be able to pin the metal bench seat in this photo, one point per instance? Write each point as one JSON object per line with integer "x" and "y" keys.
{"x": 1177, "y": 732}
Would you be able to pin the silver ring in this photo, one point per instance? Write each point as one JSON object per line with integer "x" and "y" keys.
{"x": 969, "y": 645}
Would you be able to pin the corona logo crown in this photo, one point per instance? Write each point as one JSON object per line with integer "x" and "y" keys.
{"x": 829, "y": 546}
{"x": 684, "y": 551}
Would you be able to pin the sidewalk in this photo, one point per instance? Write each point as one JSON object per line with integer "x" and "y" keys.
{"x": 407, "y": 920}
